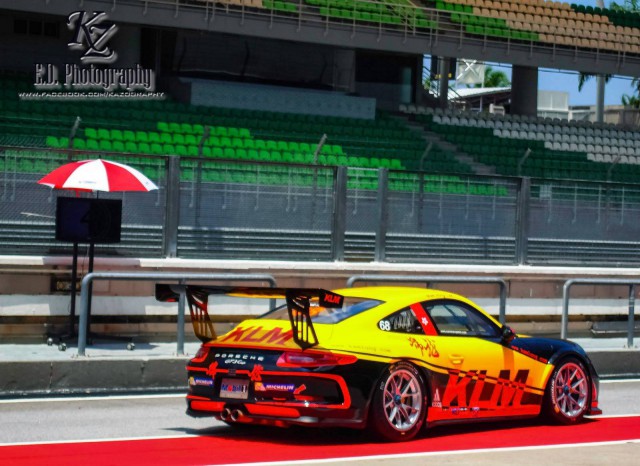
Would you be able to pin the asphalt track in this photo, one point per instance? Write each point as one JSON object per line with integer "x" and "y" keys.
{"x": 599, "y": 441}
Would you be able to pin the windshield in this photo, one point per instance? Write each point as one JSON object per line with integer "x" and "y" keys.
{"x": 326, "y": 315}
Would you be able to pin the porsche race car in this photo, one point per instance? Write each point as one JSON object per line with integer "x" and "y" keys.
{"x": 389, "y": 359}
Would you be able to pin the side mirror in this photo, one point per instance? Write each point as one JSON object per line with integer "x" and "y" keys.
{"x": 507, "y": 335}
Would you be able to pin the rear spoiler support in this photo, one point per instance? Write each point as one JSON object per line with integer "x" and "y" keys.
{"x": 298, "y": 306}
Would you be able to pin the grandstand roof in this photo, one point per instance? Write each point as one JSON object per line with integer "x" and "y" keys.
{"x": 479, "y": 91}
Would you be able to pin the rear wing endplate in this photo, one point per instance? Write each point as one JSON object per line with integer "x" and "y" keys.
{"x": 298, "y": 304}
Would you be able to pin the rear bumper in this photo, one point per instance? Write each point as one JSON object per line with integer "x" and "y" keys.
{"x": 267, "y": 414}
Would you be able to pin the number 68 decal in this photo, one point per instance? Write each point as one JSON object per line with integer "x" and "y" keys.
{"x": 385, "y": 325}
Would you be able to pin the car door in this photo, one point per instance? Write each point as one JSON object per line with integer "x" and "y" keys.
{"x": 478, "y": 375}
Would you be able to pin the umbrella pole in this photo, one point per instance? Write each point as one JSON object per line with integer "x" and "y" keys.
{"x": 74, "y": 278}
{"x": 90, "y": 291}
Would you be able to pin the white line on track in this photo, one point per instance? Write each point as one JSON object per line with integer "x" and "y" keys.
{"x": 434, "y": 453}
{"x": 619, "y": 381}
{"x": 91, "y": 398}
{"x": 99, "y": 440}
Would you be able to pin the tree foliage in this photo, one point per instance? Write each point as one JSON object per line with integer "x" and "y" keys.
{"x": 494, "y": 78}
{"x": 627, "y": 5}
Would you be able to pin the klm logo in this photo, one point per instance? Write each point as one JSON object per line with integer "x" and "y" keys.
{"x": 92, "y": 33}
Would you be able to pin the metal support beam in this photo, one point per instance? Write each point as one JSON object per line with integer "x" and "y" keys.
{"x": 339, "y": 226}
{"x": 522, "y": 220}
{"x": 172, "y": 208}
{"x": 383, "y": 214}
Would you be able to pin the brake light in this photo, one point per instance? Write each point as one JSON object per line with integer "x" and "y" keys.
{"x": 314, "y": 359}
{"x": 201, "y": 355}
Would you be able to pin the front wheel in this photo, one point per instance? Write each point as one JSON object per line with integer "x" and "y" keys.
{"x": 399, "y": 405}
{"x": 568, "y": 392}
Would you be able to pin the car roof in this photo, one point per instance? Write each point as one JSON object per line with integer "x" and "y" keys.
{"x": 400, "y": 296}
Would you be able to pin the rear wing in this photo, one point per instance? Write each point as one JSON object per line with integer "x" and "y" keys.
{"x": 298, "y": 304}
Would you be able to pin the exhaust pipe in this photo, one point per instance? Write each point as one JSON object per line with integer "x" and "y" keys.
{"x": 236, "y": 414}
{"x": 225, "y": 414}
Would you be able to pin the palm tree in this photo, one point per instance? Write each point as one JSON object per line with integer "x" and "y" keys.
{"x": 631, "y": 101}
{"x": 494, "y": 78}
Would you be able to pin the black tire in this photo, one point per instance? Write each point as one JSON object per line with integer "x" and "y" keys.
{"x": 399, "y": 404}
{"x": 568, "y": 393}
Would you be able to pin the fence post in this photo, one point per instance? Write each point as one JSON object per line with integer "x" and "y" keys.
{"x": 172, "y": 208}
{"x": 383, "y": 211}
{"x": 181, "y": 319}
{"x": 631, "y": 318}
{"x": 522, "y": 219}
{"x": 339, "y": 224}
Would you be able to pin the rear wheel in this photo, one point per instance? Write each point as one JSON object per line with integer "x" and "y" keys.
{"x": 568, "y": 392}
{"x": 399, "y": 404}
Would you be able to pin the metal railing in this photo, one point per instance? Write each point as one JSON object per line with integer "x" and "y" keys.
{"x": 439, "y": 279}
{"x": 600, "y": 281}
{"x": 179, "y": 278}
{"x": 440, "y": 22}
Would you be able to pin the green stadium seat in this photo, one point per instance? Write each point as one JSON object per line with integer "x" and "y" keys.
{"x": 92, "y": 144}
{"x": 144, "y": 148}
{"x": 105, "y": 145}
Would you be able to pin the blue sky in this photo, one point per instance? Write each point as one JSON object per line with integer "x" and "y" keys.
{"x": 558, "y": 80}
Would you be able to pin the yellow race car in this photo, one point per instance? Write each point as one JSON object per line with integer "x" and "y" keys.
{"x": 389, "y": 359}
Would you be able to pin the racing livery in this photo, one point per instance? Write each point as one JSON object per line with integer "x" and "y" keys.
{"x": 389, "y": 359}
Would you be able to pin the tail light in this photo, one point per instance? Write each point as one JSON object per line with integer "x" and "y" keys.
{"x": 201, "y": 355}
{"x": 314, "y": 359}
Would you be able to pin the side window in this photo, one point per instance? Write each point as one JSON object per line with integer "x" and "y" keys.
{"x": 455, "y": 318}
{"x": 402, "y": 321}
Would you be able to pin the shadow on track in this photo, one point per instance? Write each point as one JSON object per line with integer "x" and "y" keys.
{"x": 329, "y": 436}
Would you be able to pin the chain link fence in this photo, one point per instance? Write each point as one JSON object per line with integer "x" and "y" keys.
{"x": 235, "y": 209}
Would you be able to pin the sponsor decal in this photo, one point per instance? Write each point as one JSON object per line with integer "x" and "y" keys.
{"x": 257, "y": 334}
{"x": 529, "y": 354}
{"x": 330, "y": 300}
{"x": 212, "y": 369}
{"x": 238, "y": 362}
{"x": 274, "y": 387}
{"x": 436, "y": 403}
{"x": 200, "y": 381}
{"x": 486, "y": 392}
{"x": 426, "y": 346}
{"x": 243, "y": 358}
{"x": 256, "y": 373}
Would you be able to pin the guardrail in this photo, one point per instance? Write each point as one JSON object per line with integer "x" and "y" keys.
{"x": 87, "y": 281}
{"x": 600, "y": 281}
{"x": 439, "y": 279}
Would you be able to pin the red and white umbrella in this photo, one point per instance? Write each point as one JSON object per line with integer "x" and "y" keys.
{"x": 98, "y": 175}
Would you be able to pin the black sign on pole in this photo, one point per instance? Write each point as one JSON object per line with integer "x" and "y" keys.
{"x": 86, "y": 220}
